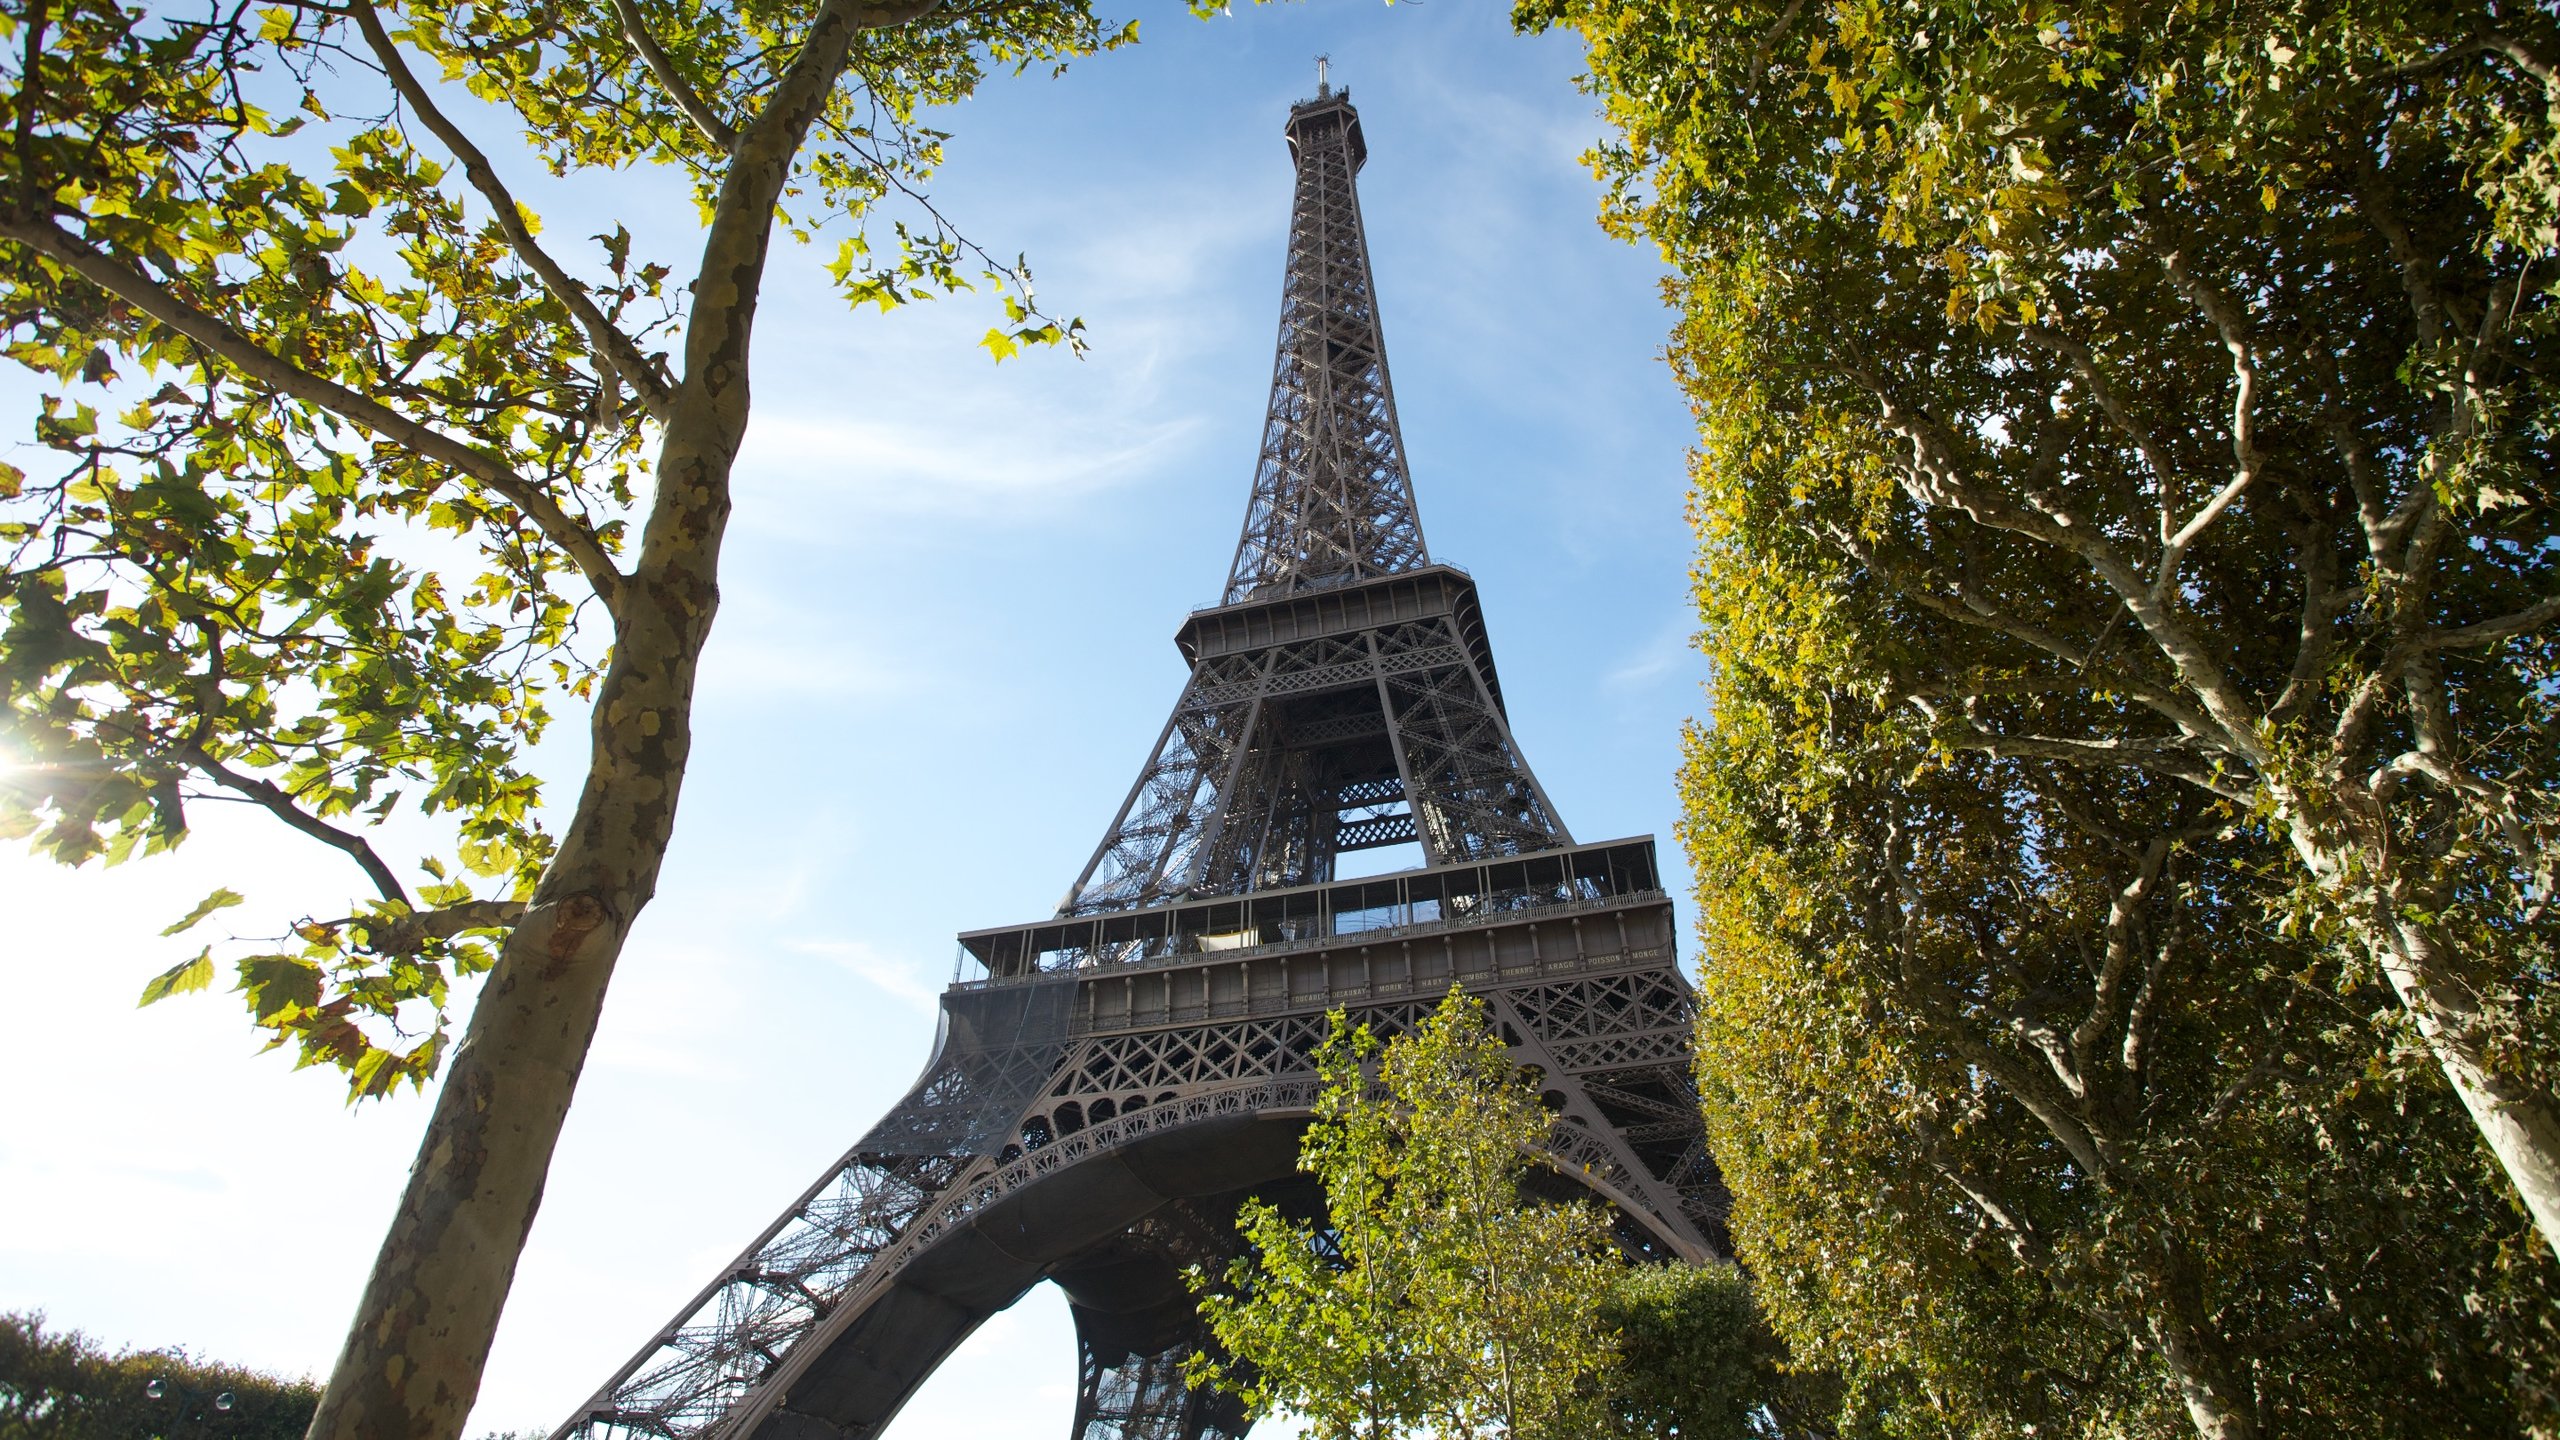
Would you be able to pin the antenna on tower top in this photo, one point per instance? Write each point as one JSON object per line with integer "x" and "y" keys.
{"x": 1324, "y": 85}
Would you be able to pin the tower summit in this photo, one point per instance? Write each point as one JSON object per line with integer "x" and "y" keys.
{"x": 1332, "y": 502}
{"x": 1112, "y": 1082}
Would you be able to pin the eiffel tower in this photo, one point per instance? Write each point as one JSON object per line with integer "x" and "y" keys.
{"x": 1111, "y": 1082}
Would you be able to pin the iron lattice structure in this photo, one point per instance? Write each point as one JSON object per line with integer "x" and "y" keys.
{"x": 1111, "y": 1083}
{"x": 1332, "y": 500}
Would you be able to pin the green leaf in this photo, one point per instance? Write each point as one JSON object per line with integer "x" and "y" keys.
{"x": 195, "y": 974}
{"x": 222, "y": 899}
{"x": 279, "y": 985}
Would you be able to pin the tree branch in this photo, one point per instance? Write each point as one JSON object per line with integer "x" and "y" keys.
{"x": 636, "y": 26}
{"x": 2521, "y": 55}
{"x": 2160, "y": 757}
{"x": 1978, "y": 614}
{"x": 1933, "y": 478}
{"x": 2021, "y": 1234}
{"x": 278, "y": 801}
{"x": 1768, "y": 46}
{"x": 2123, "y": 913}
{"x": 256, "y": 362}
{"x": 2416, "y": 271}
{"x": 2244, "y": 420}
{"x": 2084, "y": 363}
{"x": 616, "y": 350}
{"x": 2489, "y": 632}
{"x": 407, "y": 934}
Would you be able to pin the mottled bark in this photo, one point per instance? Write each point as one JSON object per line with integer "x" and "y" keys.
{"x": 2517, "y": 1121}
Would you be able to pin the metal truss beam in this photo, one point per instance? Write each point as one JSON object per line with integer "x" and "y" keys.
{"x": 1120, "y": 1075}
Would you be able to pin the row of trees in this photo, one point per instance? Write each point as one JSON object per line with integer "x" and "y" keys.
{"x": 60, "y": 1385}
{"x": 2131, "y": 564}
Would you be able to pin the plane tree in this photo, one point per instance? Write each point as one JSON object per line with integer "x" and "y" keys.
{"x": 356, "y": 474}
{"x": 2169, "y": 385}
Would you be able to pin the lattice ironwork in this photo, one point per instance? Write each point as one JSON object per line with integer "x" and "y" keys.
{"x": 1266, "y": 753}
{"x": 1143, "y": 1397}
{"x": 1119, "y": 1076}
{"x": 732, "y": 1335}
{"x": 1332, "y": 501}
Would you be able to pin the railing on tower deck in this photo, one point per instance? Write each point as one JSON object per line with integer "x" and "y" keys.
{"x": 1343, "y": 582}
{"x": 1601, "y": 876}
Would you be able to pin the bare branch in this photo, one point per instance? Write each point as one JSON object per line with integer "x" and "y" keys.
{"x": 636, "y": 26}
{"x": 2489, "y": 632}
{"x": 2020, "y": 1233}
{"x": 2261, "y": 1069}
{"x": 276, "y": 800}
{"x": 1932, "y": 477}
{"x": 1768, "y": 46}
{"x": 2246, "y": 459}
{"x": 2172, "y": 758}
{"x": 2084, "y": 363}
{"x": 258, "y": 363}
{"x": 2124, "y": 916}
{"x": 2521, "y": 55}
{"x": 620, "y": 354}
{"x": 1977, "y": 613}
{"x": 2417, "y": 280}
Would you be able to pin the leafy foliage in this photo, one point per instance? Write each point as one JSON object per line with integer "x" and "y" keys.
{"x": 1436, "y": 1299}
{"x": 347, "y": 454}
{"x": 61, "y": 1386}
{"x": 2028, "y": 1122}
{"x": 2127, "y": 554}
{"x": 1696, "y": 1360}
{"x": 361, "y": 476}
{"x": 2159, "y": 391}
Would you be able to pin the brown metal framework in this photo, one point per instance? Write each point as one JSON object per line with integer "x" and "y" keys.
{"x": 1112, "y": 1082}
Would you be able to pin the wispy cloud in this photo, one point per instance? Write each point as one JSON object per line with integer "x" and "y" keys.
{"x": 967, "y": 460}
{"x": 771, "y": 653}
{"x": 902, "y": 417}
{"x": 1671, "y": 650}
{"x": 904, "y": 977}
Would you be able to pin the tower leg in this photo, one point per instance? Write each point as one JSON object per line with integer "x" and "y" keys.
{"x": 1127, "y": 1395}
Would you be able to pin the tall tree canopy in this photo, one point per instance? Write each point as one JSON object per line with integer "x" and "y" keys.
{"x": 2129, "y": 559}
{"x": 360, "y": 472}
{"x": 2164, "y": 389}
{"x": 2033, "y": 1116}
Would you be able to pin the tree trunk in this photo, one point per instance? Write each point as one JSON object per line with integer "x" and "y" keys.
{"x": 2520, "y": 1125}
{"x": 2220, "y": 1407}
{"x": 2517, "y": 1121}
{"x": 411, "y": 1366}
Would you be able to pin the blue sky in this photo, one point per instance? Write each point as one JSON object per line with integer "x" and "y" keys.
{"x": 944, "y": 649}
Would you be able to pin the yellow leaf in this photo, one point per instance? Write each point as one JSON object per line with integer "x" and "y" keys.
{"x": 195, "y": 974}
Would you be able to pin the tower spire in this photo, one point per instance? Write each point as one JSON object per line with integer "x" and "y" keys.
{"x": 1332, "y": 501}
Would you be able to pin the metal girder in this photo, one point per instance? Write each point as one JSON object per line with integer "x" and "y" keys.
{"x": 1341, "y": 698}
{"x": 1244, "y": 784}
{"x": 1332, "y": 502}
{"x": 1143, "y": 1397}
